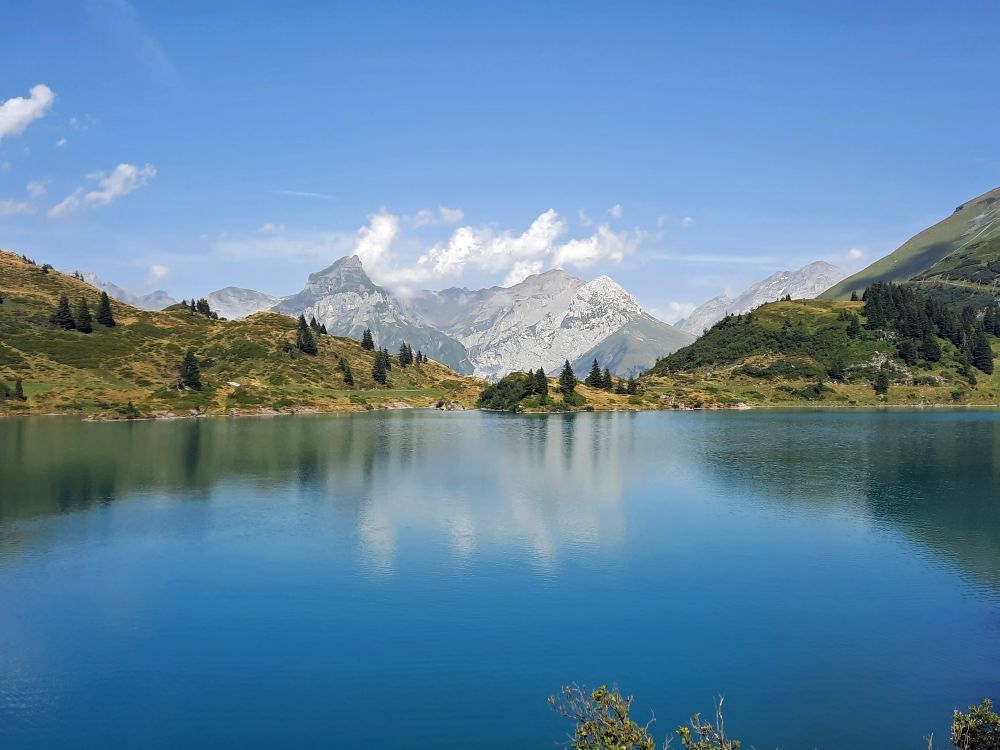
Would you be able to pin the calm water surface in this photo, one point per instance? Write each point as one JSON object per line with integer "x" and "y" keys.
{"x": 425, "y": 580}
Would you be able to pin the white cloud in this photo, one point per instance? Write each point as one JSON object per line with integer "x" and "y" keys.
{"x": 376, "y": 238}
{"x": 17, "y": 112}
{"x": 522, "y": 270}
{"x": 603, "y": 245}
{"x": 157, "y": 272}
{"x": 444, "y": 215}
{"x": 673, "y": 311}
{"x": 855, "y": 253}
{"x": 74, "y": 123}
{"x": 616, "y": 211}
{"x": 61, "y": 142}
{"x": 687, "y": 222}
{"x": 585, "y": 220}
{"x": 11, "y": 207}
{"x": 36, "y": 189}
{"x": 267, "y": 227}
{"x": 125, "y": 179}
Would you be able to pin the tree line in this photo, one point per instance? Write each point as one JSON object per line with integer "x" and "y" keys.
{"x": 81, "y": 319}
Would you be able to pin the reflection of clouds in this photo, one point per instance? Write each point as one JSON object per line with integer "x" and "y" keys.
{"x": 483, "y": 483}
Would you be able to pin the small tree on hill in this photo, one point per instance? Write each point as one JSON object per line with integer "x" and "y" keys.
{"x": 84, "y": 322}
{"x": 567, "y": 380}
{"x": 104, "y": 315}
{"x": 190, "y": 372}
{"x": 881, "y": 384}
{"x": 380, "y": 372}
{"x": 63, "y": 317}
{"x": 930, "y": 348}
{"x": 540, "y": 384}
{"x": 386, "y": 359}
{"x": 305, "y": 339}
{"x": 607, "y": 382}
{"x": 595, "y": 378}
{"x": 982, "y": 352}
{"x": 632, "y": 387}
{"x": 19, "y": 390}
{"x": 405, "y": 354}
{"x": 908, "y": 351}
{"x": 854, "y": 327}
{"x": 854, "y": 296}
{"x": 367, "y": 341}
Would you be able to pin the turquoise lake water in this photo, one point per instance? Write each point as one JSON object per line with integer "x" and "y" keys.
{"x": 426, "y": 580}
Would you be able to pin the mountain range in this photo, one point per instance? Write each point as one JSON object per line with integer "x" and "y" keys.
{"x": 153, "y": 301}
{"x": 805, "y": 283}
{"x": 541, "y": 322}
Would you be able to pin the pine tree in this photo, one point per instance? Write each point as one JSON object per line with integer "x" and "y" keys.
{"x": 190, "y": 372}
{"x": 84, "y": 323}
{"x": 541, "y": 384}
{"x": 104, "y": 314}
{"x": 567, "y": 380}
{"x": 379, "y": 370}
{"x": 313, "y": 325}
{"x": 854, "y": 296}
{"x": 322, "y": 329}
{"x": 837, "y": 369}
{"x": 607, "y": 382}
{"x": 305, "y": 339}
{"x": 632, "y": 387}
{"x": 367, "y": 342}
{"x": 881, "y": 384}
{"x": 19, "y": 390}
{"x": 420, "y": 357}
{"x": 386, "y": 359}
{"x": 405, "y": 354}
{"x": 595, "y": 379}
{"x": 930, "y": 348}
{"x": 854, "y": 327}
{"x": 908, "y": 352}
{"x": 62, "y": 316}
{"x": 982, "y": 353}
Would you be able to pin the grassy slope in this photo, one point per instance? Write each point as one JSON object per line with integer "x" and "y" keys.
{"x": 931, "y": 247}
{"x": 67, "y": 371}
{"x": 787, "y": 347}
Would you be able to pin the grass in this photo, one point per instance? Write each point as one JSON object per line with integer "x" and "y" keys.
{"x": 137, "y": 360}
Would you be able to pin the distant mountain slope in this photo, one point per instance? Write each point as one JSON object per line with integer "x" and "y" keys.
{"x": 632, "y": 349}
{"x": 962, "y": 249}
{"x": 153, "y": 301}
{"x": 246, "y": 364}
{"x": 344, "y": 299}
{"x": 234, "y": 303}
{"x": 805, "y": 283}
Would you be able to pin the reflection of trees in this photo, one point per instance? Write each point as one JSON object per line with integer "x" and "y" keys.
{"x": 477, "y": 479}
{"x": 933, "y": 475}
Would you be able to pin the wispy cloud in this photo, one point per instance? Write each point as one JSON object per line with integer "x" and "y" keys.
{"x": 122, "y": 22}
{"x": 672, "y": 311}
{"x": 11, "y": 207}
{"x": 125, "y": 179}
{"x": 687, "y": 222}
{"x": 616, "y": 211}
{"x": 307, "y": 194}
{"x": 36, "y": 189}
{"x": 18, "y": 112}
{"x": 443, "y": 215}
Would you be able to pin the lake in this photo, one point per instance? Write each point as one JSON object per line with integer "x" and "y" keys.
{"x": 425, "y": 580}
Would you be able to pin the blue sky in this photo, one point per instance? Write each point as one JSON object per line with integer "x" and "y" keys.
{"x": 681, "y": 148}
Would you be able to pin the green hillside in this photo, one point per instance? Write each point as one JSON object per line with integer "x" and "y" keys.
{"x": 827, "y": 351}
{"x": 960, "y": 251}
{"x": 251, "y": 365}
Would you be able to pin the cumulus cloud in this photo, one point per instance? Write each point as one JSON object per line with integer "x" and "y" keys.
{"x": 522, "y": 270}
{"x": 125, "y": 179}
{"x": 687, "y": 222}
{"x": 157, "y": 271}
{"x": 36, "y": 189}
{"x": 585, "y": 220}
{"x": 17, "y": 112}
{"x": 11, "y": 207}
{"x": 855, "y": 253}
{"x": 603, "y": 245}
{"x": 616, "y": 211}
